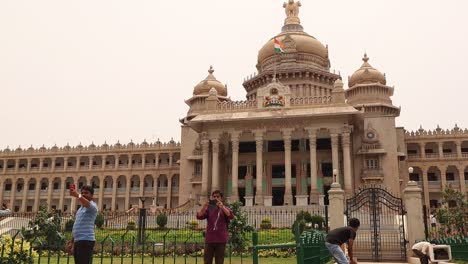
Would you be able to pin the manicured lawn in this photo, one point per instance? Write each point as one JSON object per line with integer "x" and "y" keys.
{"x": 178, "y": 260}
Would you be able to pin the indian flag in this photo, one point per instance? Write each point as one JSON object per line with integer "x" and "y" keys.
{"x": 279, "y": 47}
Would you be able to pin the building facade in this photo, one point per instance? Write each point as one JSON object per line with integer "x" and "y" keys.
{"x": 298, "y": 130}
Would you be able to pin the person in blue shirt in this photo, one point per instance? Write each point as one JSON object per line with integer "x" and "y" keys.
{"x": 83, "y": 238}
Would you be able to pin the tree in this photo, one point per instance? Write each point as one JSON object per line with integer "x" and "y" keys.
{"x": 454, "y": 212}
{"x": 161, "y": 220}
{"x": 99, "y": 222}
{"x": 46, "y": 226}
{"x": 238, "y": 228}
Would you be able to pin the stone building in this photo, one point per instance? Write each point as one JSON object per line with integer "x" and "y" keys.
{"x": 298, "y": 130}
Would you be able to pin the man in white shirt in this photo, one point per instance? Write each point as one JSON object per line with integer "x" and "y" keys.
{"x": 421, "y": 250}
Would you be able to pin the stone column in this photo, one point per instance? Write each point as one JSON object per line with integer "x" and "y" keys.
{"x": 41, "y": 164}
{"x": 2, "y": 187}
{"x": 63, "y": 185}
{"x": 17, "y": 162}
{"x": 5, "y": 164}
{"x": 215, "y": 169}
{"x": 336, "y": 209}
{"x": 441, "y": 149}
{"x": 25, "y": 196}
{"x": 65, "y": 167}
{"x": 77, "y": 167}
{"x": 73, "y": 200}
{"x": 127, "y": 191}
{"x": 103, "y": 160}
{"x": 414, "y": 215}
{"x": 13, "y": 193}
{"x": 101, "y": 192}
{"x": 288, "y": 199}
{"x": 314, "y": 199}
{"x": 443, "y": 178}
{"x": 141, "y": 191}
{"x": 459, "y": 150}
{"x": 52, "y": 166}
{"x": 425, "y": 186}
{"x": 170, "y": 159}
{"x": 422, "y": 149}
{"x": 49, "y": 193}
{"x": 169, "y": 192}
{"x": 28, "y": 167}
{"x": 143, "y": 160}
{"x": 37, "y": 195}
{"x": 205, "y": 163}
{"x": 157, "y": 161}
{"x": 347, "y": 163}
{"x": 259, "y": 167}
{"x": 461, "y": 177}
{"x": 114, "y": 192}
{"x": 116, "y": 163}
{"x": 155, "y": 191}
{"x": 335, "y": 159}
{"x": 90, "y": 165}
{"x": 235, "y": 166}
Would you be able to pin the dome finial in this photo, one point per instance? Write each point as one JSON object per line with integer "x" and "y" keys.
{"x": 365, "y": 58}
{"x": 292, "y": 12}
{"x": 210, "y": 71}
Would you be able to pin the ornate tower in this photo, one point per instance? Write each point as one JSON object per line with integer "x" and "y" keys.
{"x": 376, "y": 159}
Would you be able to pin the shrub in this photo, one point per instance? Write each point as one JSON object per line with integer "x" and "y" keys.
{"x": 238, "y": 228}
{"x": 317, "y": 220}
{"x": 193, "y": 224}
{"x": 161, "y": 220}
{"x": 131, "y": 225}
{"x": 99, "y": 222}
{"x": 266, "y": 223}
{"x": 47, "y": 227}
{"x": 69, "y": 225}
{"x": 302, "y": 218}
{"x": 20, "y": 253}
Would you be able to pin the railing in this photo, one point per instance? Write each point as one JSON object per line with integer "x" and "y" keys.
{"x": 432, "y": 155}
{"x": 236, "y": 105}
{"x": 298, "y": 101}
{"x": 434, "y": 183}
{"x": 414, "y": 156}
{"x": 450, "y": 155}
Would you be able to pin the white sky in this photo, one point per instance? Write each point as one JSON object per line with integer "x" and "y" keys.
{"x": 108, "y": 70}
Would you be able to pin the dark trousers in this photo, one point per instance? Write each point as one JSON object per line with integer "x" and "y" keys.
{"x": 422, "y": 257}
{"x": 215, "y": 250}
{"x": 83, "y": 251}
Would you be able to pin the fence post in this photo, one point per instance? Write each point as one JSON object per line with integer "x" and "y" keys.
{"x": 254, "y": 247}
{"x": 336, "y": 200}
{"x": 414, "y": 214}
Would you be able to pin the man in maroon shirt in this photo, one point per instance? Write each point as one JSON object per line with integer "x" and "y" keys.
{"x": 216, "y": 235}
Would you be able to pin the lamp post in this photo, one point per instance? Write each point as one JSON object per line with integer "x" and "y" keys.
{"x": 335, "y": 174}
{"x": 142, "y": 221}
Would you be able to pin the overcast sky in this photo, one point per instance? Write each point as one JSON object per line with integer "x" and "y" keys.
{"x": 94, "y": 71}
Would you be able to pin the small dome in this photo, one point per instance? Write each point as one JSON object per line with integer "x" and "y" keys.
{"x": 79, "y": 146}
{"x": 118, "y": 145}
{"x": 144, "y": 143}
{"x": 31, "y": 148}
{"x": 366, "y": 75}
{"x": 67, "y": 147}
{"x": 19, "y": 149}
{"x": 43, "y": 148}
{"x": 7, "y": 149}
{"x": 105, "y": 145}
{"x": 92, "y": 146}
{"x": 209, "y": 82}
{"x": 131, "y": 144}
{"x": 55, "y": 148}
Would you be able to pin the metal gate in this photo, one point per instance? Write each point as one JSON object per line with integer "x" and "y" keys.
{"x": 381, "y": 235}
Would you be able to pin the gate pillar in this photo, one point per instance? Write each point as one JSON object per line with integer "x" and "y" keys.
{"x": 413, "y": 204}
{"x": 336, "y": 197}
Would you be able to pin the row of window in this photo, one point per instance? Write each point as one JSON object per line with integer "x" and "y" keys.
{"x": 82, "y": 163}
{"x": 431, "y": 176}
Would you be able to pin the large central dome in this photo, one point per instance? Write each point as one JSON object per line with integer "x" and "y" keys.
{"x": 299, "y": 47}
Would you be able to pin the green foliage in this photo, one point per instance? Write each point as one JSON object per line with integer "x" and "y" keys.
{"x": 453, "y": 220}
{"x": 131, "y": 225}
{"x": 277, "y": 253}
{"x": 193, "y": 224}
{"x": 302, "y": 218}
{"x": 21, "y": 251}
{"x": 99, "y": 222}
{"x": 238, "y": 228}
{"x": 266, "y": 223}
{"x": 161, "y": 220}
{"x": 69, "y": 225}
{"x": 317, "y": 220}
{"x": 47, "y": 227}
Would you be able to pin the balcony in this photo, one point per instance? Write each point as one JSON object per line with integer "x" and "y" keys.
{"x": 56, "y": 190}
{"x": 162, "y": 189}
{"x": 148, "y": 189}
{"x": 108, "y": 190}
{"x": 435, "y": 185}
{"x": 121, "y": 190}
{"x": 175, "y": 189}
{"x": 134, "y": 189}
{"x": 414, "y": 156}
{"x": 454, "y": 183}
{"x": 450, "y": 155}
{"x": 150, "y": 165}
{"x": 465, "y": 155}
{"x": 97, "y": 167}
{"x": 432, "y": 156}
